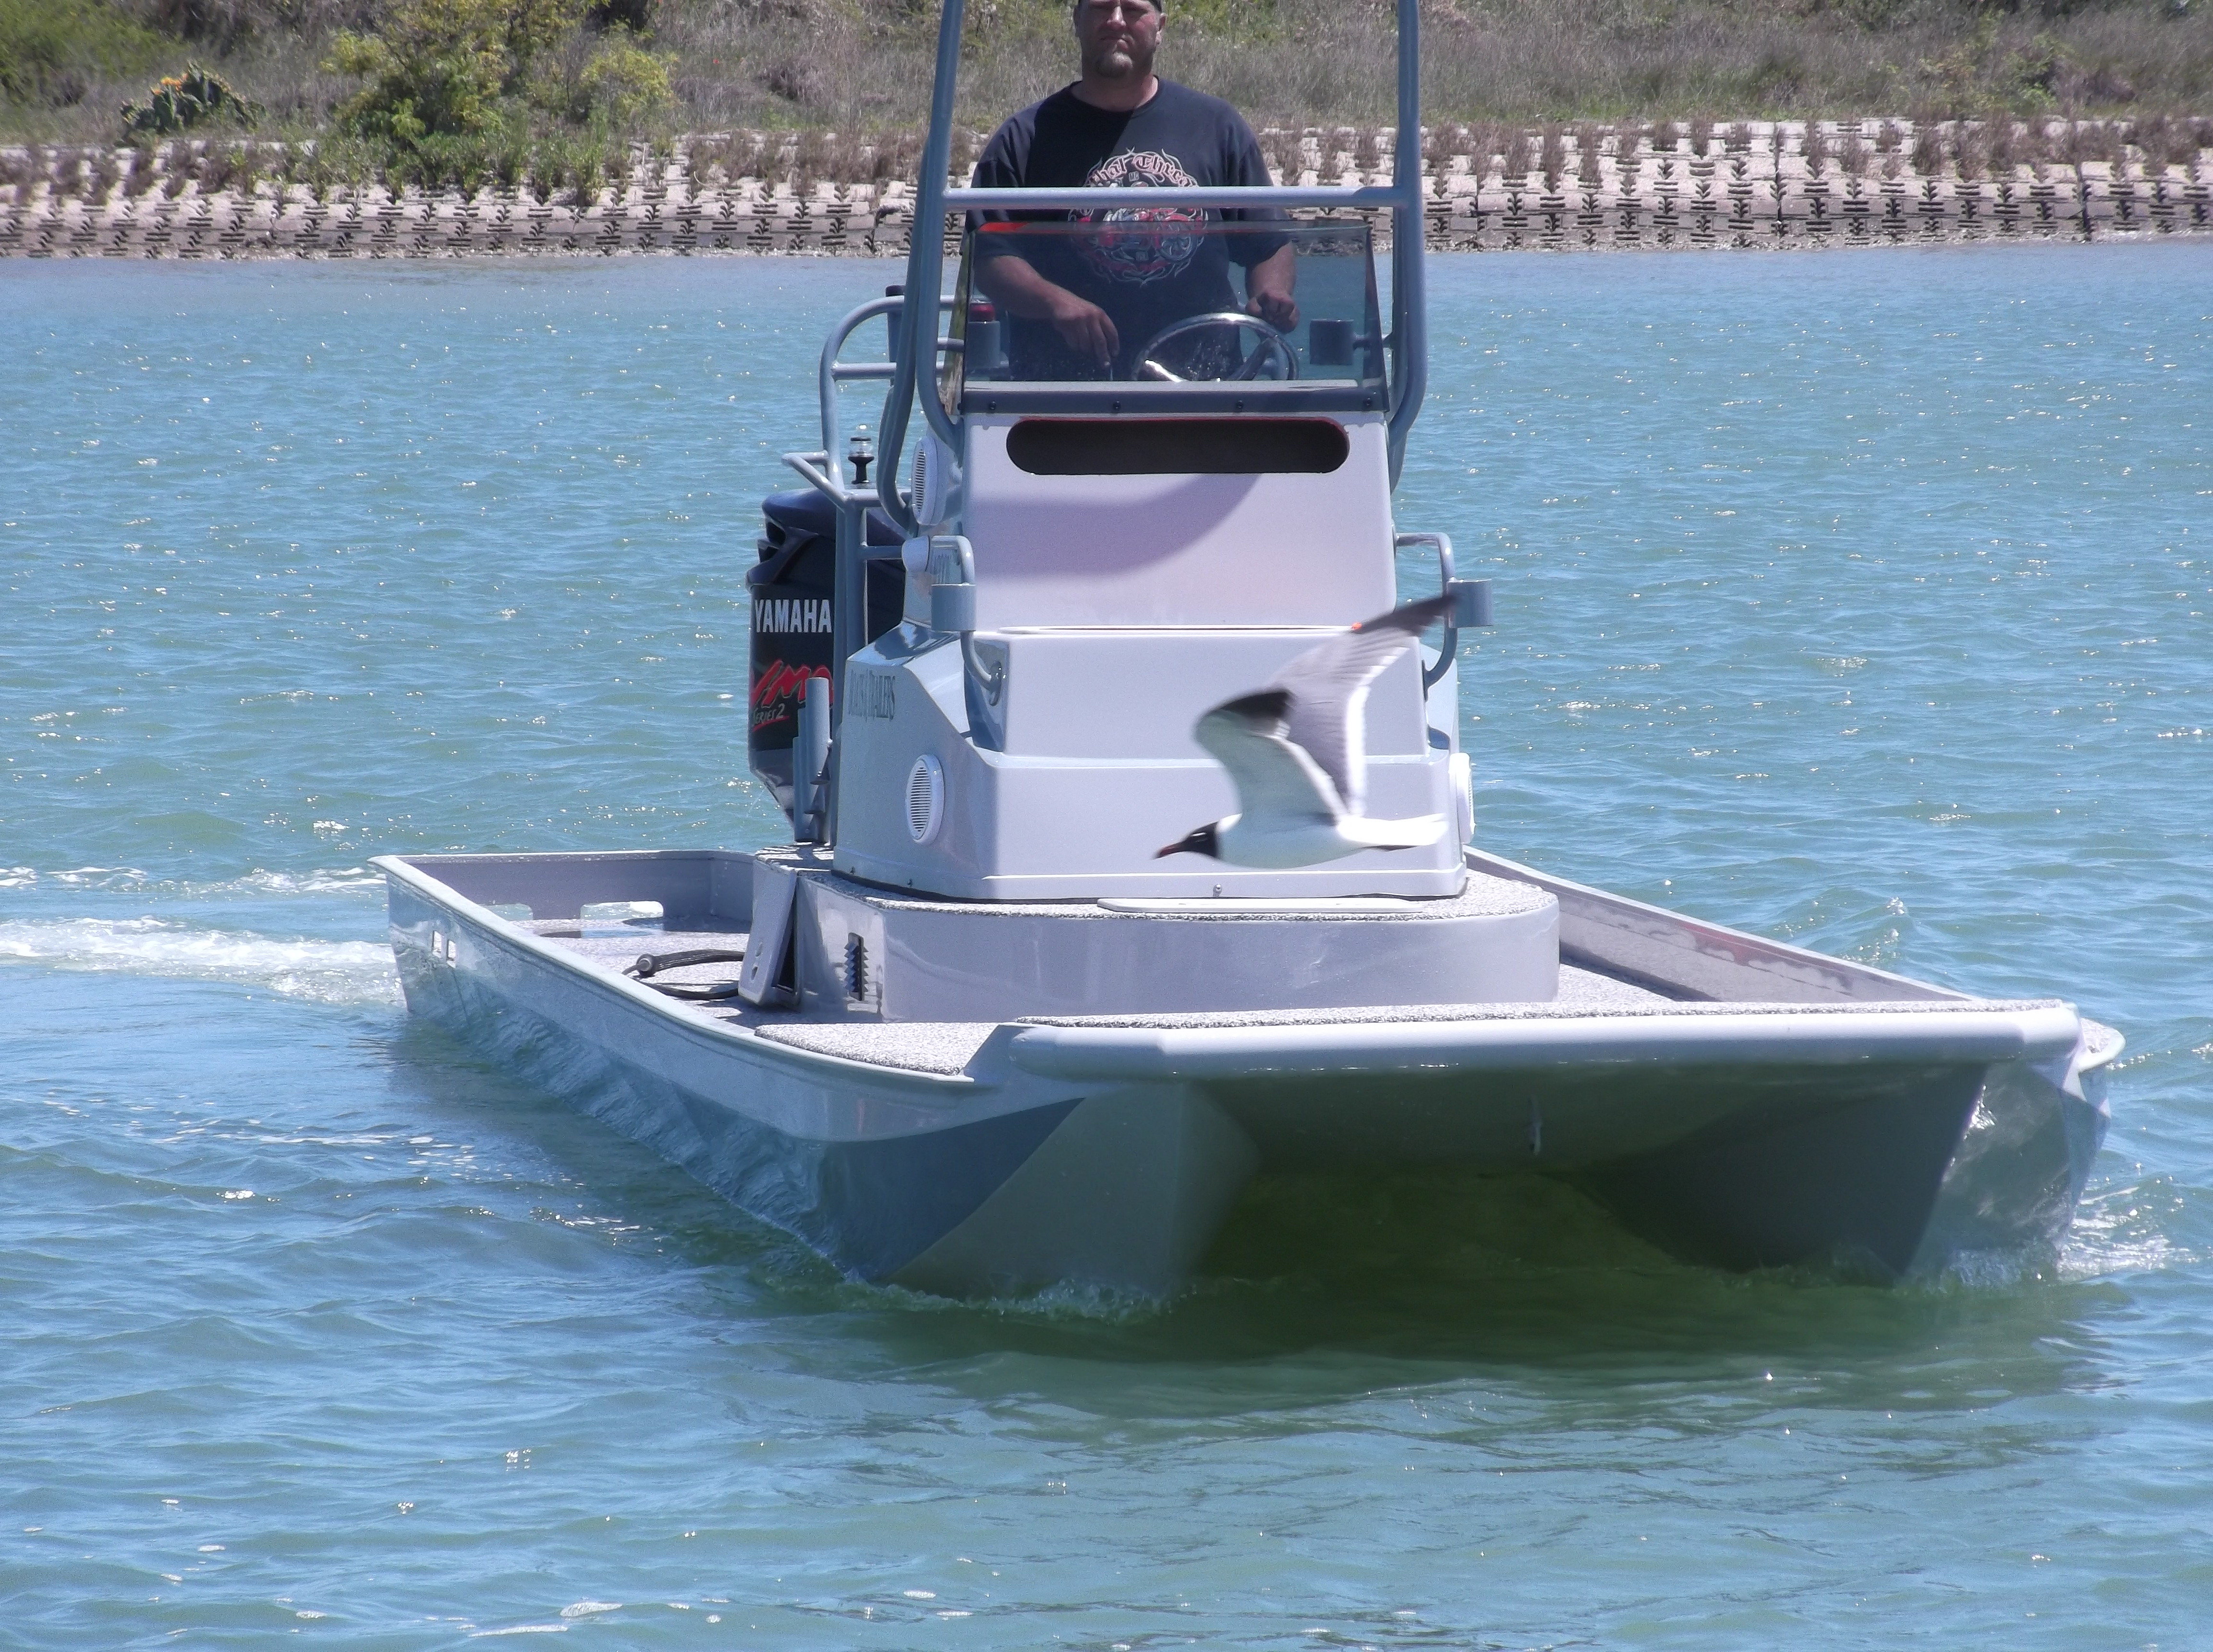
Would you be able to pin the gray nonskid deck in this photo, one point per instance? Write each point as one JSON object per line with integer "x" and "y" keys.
{"x": 909, "y": 1046}
{"x": 947, "y": 1048}
{"x": 619, "y": 950}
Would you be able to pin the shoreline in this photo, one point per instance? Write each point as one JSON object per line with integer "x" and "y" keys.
{"x": 1781, "y": 186}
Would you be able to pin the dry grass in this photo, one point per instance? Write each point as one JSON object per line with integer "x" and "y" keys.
{"x": 863, "y": 65}
{"x": 844, "y": 63}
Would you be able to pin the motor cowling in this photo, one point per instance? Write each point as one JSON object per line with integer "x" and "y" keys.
{"x": 793, "y": 588}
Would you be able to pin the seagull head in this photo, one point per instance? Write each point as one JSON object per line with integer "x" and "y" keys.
{"x": 1199, "y": 840}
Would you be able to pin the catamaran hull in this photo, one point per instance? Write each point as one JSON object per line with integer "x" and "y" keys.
{"x": 1888, "y": 1141}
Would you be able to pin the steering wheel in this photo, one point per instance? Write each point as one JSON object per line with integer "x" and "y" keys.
{"x": 1273, "y": 345}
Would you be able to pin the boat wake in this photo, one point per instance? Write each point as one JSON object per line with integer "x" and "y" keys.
{"x": 1066, "y": 1302}
{"x": 2123, "y": 1229}
{"x": 131, "y": 879}
{"x": 337, "y": 972}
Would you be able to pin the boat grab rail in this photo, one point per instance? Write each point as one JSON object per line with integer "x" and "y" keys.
{"x": 1471, "y": 602}
{"x": 1823, "y": 1035}
{"x": 831, "y": 373}
{"x": 926, "y": 268}
{"x": 1358, "y": 196}
{"x": 818, "y": 469}
{"x": 952, "y": 567}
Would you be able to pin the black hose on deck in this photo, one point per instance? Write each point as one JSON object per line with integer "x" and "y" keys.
{"x": 650, "y": 965}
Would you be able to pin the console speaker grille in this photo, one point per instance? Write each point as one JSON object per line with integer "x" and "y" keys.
{"x": 925, "y": 799}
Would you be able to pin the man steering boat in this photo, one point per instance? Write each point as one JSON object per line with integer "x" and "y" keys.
{"x": 1082, "y": 305}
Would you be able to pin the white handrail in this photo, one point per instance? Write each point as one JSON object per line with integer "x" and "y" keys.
{"x": 830, "y": 372}
{"x": 1728, "y": 1035}
{"x": 925, "y": 262}
{"x": 1218, "y": 195}
{"x": 1410, "y": 305}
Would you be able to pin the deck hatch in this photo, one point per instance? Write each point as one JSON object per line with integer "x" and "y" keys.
{"x": 1178, "y": 446}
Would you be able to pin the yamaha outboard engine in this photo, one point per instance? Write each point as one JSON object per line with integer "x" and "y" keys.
{"x": 792, "y": 588}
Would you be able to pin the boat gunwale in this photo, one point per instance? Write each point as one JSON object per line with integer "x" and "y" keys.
{"x": 1951, "y": 1027}
{"x": 1739, "y": 942}
{"x": 668, "y": 1011}
{"x": 1738, "y": 1035}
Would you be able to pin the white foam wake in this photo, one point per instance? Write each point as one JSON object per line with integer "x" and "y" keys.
{"x": 131, "y": 880}
{"x": 2123, "y": 1229}
{"x": 321, "y": 972}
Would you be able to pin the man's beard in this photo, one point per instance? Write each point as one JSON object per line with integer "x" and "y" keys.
{"x": 1120, "y": 63}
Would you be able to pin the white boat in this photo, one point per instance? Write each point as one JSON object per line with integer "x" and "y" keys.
{"x": 971, "y": 1032}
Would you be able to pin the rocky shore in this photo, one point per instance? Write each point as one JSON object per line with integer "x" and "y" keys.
{"x": 1751, "y": 185}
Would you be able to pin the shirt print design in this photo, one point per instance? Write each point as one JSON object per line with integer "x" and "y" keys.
{"x": 1159, "y": 241}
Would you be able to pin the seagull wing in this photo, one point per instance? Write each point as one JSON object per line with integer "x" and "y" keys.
{"x": 1275, "y": 780}
{"x": 1417, "y": 831}
{"x": 1328, "y": 686}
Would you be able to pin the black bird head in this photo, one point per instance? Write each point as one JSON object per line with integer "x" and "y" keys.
{"x": 1200, "y": 840}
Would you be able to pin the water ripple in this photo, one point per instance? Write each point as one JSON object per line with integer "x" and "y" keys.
{"x": 1871, "y": 609}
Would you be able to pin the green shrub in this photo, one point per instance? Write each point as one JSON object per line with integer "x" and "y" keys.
{"x": 624, "y": 82}
{"x": 443, "y": 66}
{"x": 311, "y": 165}
{"x": 548, "y": 165}
{"x": 585, "y": 177}
{"x": 50, "y": 49}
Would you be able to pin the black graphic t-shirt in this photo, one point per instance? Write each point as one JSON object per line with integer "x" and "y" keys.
{"x": 1155, "y": 271}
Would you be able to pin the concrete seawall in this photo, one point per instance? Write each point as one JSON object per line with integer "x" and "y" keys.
{"x": 1777, "y": 185}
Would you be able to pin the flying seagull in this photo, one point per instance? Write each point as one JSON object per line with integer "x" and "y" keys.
{"x": 1295, "y": 752}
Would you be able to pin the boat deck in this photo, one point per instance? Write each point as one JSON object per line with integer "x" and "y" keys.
{"x": 949, "y": 1046}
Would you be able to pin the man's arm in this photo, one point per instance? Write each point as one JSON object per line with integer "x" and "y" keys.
{"x": 1268, "y": 280}
{"x": 1268, "y": 288}
{"x": 1012, "y": 283}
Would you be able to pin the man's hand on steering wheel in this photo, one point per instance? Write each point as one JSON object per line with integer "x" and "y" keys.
{"x": 1279, "y": 309}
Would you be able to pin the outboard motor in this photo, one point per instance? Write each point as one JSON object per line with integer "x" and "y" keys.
{"x": 792, "y": 587}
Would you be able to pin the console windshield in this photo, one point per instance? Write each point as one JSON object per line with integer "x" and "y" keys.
{"x": 1161, "y": 300}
